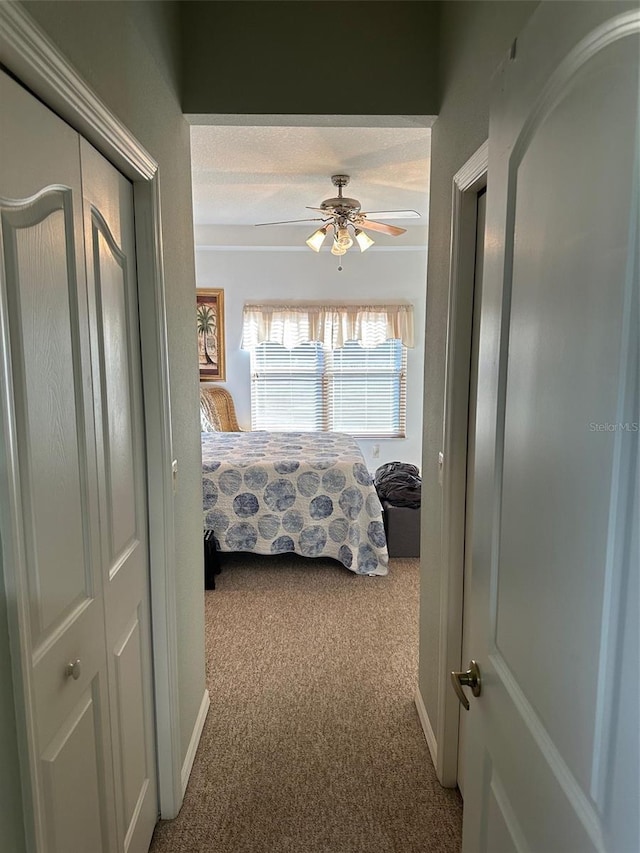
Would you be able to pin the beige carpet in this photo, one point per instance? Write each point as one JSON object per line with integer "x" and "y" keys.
{"x": 312, "y": 743}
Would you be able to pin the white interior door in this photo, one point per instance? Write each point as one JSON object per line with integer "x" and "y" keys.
{"x": 51, "y": 482}
{"x": 553, "y": 740}
{"x": 113, "y": 305}
{"x": 76, "y": 510}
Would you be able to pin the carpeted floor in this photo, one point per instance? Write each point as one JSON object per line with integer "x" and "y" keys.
{"x": 312, "y": 743}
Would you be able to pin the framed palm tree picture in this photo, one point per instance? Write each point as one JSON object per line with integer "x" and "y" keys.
{"x": 210, "y": 326}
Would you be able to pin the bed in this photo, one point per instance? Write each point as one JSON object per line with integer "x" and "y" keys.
{"x": 306, "y": 492}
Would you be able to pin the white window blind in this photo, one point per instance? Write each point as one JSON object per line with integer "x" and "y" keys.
{"x": 287, "y": 387}
{"x": 361, "y": 391}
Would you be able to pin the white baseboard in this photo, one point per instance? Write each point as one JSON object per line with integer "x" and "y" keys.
{"x": 195, "y": 740}
{"x": 426, "y": 726}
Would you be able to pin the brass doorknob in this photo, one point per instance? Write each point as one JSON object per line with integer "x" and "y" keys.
{"x": 72, "y": 669}
{"x": 471, "y": 678}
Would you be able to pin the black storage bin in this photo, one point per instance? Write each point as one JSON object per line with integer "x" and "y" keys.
{"x": 402, "y": 526}
{"x": 212, "y": 565}
{"x": 399, "y": 487}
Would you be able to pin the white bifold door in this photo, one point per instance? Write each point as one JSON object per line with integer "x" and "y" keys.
{"x": 74, "y": 516}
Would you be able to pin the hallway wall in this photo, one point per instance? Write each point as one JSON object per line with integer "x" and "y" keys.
{"x": 473, "y": 38}
{"x": 286, "y": 58}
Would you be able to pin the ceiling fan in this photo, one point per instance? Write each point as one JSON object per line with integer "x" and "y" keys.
{"x": 344, "y": 216}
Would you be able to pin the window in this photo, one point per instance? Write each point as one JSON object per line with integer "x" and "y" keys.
{"x": 351, "y": 389}
{"x": 329, "y": 367}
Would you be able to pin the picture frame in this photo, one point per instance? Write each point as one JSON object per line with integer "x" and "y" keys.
{"x": 210, "y": 330}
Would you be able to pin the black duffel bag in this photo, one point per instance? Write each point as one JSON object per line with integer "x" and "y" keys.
{"x": 399, "y": 483}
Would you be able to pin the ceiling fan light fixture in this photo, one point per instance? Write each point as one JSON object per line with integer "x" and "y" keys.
{"x": 343, "y": 238}
{"x": 316, "y": 240}
{"x": 346, "y": 218}
{"x": 364, "y": 241}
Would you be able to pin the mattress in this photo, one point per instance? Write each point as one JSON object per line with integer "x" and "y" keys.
{"x": 304, "y": 492}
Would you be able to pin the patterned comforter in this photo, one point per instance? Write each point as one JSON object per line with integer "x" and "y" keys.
{"x": 307, "y": 492}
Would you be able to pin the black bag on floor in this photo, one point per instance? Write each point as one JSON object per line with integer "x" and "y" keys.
{"x": 399, "y": 483}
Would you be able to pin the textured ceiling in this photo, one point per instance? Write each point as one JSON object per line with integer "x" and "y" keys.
{"x": 245, "y": 175}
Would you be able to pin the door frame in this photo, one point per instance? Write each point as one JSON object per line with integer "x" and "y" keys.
{"x": 35, "y": 61}
{"x": 467, "y": 183}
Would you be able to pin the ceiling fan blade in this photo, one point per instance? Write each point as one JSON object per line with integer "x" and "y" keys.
{"x": 289, "y": 221}
{"x": 319, "y": 209}
{"x": 394, "y": 214}
{"x": 392, "y": 230}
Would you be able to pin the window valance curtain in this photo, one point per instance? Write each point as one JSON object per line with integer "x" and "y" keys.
{"x": 331, "y": 325}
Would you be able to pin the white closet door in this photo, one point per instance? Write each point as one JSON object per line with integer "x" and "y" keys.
{"x": 49, "y": 501}
{"x": 113, "y": 306}
{"x": 75, "y": 516}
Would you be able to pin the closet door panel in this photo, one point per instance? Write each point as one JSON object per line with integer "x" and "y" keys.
{"x": 48, "y": 478}
{"x": 113, "y": 307}
{"x": 129, "y": 685}
{"x": 74, "y": 781}
{"x": 41, "y": 294}
{"x": 109, "y": 270}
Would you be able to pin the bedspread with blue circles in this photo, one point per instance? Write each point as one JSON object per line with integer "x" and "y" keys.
{"x": 306, "y": 492}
